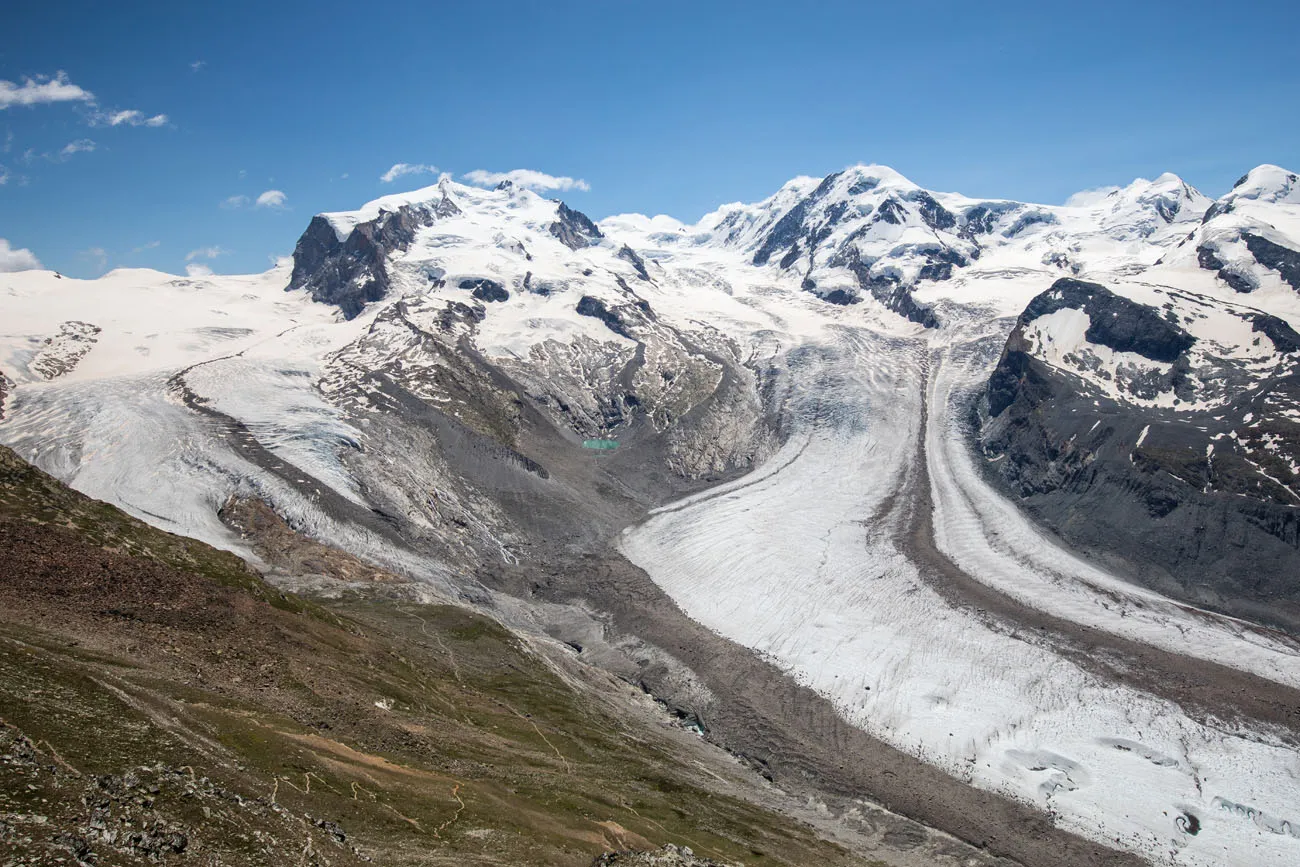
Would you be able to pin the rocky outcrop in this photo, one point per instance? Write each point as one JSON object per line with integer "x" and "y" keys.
{"x": 1284, "y": 337}
{"x": 1283, "y": 260}
{"x": 890, "y": 211}
{"x": 619, "y": 318}
{"x": 940, "y": 261}
{"x": 935, "y": 215}
{"x": 888, "y": 290}
{"x": 1114, "y": 321}
{"x": 63, "y": 352}
{"x": 353, "y": 271}
{"x": 627, "y": 254}
{"x": 1208, "y": 258}
{"x": 574, "y": 229}
{"x": 785, "y": 233}
{"x": 1198, "y": 505}
{"x": 669, "y": 856}
{"x": 485, "y": 290}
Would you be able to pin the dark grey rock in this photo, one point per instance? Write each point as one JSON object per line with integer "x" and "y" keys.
{"x": 890, "y": 211}
{"x": 1200, "y": 525}
{"x": 863, "y": 185}
{"x": 1115, "y": 321}
{"x": 594, "y": 307}
{"x": 1281, "y": 259}
{"x": 1029, "y": 218}
{"x": 1215, "y": 210}
{"x": 939, "y": 263}
{"x": 353, "y": 272}
{"x": 787, "y": 230}
{"x": 627, "y": 254}
{"x": 1208, "y": 258}
{"x": 888, "y": 290}
{"x": 839, "y": 296}
{"x": 485, "y": 289}
{"x": 1284, "y": 337}
{"x": 935, "y": 215}
{"x": 574, "y": 229}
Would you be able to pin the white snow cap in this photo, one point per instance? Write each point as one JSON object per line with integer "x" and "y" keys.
{"x": 1268, "y": 183}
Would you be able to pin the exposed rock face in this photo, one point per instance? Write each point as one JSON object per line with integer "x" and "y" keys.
{"x": 935, "y": 215}
{"x": 786, "y": 232}
{"x": 62, "y": 352}
{"x": 485, "y": 289}
{"x": 1283, "y": 260}
{"x": 1114, "y": 321}
{"x": 888, "y": 290}
{"x": 574, "y": 229}
{"x": 627, "y": 254}
{"x": 1208, "y": 258}
{"x": 1200, "y": 505}
{"x": 353, "y": 271}
{"x": 618, "y": 318}
{"x": 940, "y": 261}
{"x": 1284, "y": 337}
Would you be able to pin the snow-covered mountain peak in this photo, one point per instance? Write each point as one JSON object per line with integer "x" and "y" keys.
{"x": 445, "y": 194}
{"x": 1142, "y": 210}
{"x": 1267, "y": 183}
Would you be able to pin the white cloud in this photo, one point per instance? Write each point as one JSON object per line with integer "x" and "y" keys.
{"x": 196, "y": 270}
{"x": 45, "y": 89}
{"x": 20, "y": 259}
{"x": 80, "y": 146}
{"x": 400, "y": 169}
{"x": 198, "y": 64}
{"x": 1085, "y": 198}
{"x": 4, "y": 176}
{"x": 42, "y": 89}
{"x": 270, "y": 199}
{"x": 130, "y": 117}
{"x": 152, "y": 245}
{"x": 205, "y": 253}
{"x": 528, "y": 178}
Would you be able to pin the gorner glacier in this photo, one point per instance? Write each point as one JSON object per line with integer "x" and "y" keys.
{"x": 1014, "y": 488}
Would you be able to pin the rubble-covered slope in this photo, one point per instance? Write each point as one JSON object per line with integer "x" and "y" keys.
{"x": 161, "y": 704}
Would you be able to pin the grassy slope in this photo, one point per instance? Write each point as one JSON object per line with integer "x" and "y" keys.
{"x": 159, "y": 700}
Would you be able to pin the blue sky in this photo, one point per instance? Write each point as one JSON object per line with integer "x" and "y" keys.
{"x": 664, "y": 107}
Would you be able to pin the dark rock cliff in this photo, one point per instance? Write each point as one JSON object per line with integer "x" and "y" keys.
{"x": 1200, "y": 506}
{"x": 574, "y": 229}
{"x": 351, "y": 272}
